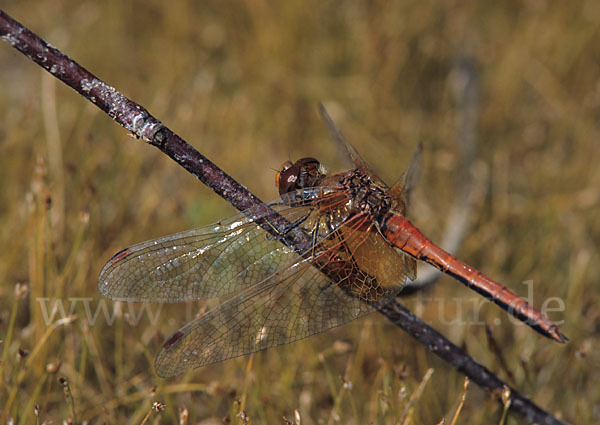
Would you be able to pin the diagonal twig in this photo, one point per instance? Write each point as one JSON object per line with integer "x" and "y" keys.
{"x": 138, "y": 120}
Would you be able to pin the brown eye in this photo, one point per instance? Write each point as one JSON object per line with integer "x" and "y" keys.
{"x": 308, "y": 165}
{"x": 286, "y": 179}
{"x": 304, "y": 173}
{"x": 284, "y": 166}
{"x": 311, "y": 173}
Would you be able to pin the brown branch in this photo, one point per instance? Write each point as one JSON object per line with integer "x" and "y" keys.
{"x": 138, "y": 120}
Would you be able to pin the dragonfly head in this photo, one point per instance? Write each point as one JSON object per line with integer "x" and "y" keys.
{"x": 304, "y": 173}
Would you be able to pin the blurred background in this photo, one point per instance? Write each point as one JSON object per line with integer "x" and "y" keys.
{"x": 241, "y": 82}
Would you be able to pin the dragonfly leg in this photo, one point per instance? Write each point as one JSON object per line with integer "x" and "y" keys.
{"x": 282, "y": 234}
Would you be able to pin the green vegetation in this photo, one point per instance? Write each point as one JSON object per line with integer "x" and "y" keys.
{"x": 241, "y": 81}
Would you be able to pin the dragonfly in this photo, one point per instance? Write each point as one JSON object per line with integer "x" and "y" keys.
{"x": 356, "y": 252}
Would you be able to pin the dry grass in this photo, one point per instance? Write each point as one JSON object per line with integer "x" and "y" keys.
{"x": 241, "y": 82}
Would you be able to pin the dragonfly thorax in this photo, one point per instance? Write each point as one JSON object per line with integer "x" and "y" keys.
{"x": 366, "y": 196}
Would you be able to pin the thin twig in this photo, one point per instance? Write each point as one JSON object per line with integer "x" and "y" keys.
{"x": 138, "y": 120}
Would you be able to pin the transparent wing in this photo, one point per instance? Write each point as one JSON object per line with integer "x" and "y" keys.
{"x": 206, "y": 262}
{"x": 337, "y": 135}
{"x": 283, "y": 309}
{"x": 404, "y": 187}
{"x": 287, "y": 306}
{"x": 280, "y": 296}
{"x": 411, "y": 177}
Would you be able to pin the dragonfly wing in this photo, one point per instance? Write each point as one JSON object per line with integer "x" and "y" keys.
{"x": 300, "y": 302}
{"x": 202, "y": 263}
{"x": 210, "y": 261}
{"x": 388, "y": 265}
{"x": 404, "y": 187}
{"x": 337, "y": 135}
{"x": 293, "y": 303}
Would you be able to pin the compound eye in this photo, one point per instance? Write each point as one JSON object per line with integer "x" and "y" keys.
{"x": 286, "y": 178}
{"x": 309, "y": 164}
{"x": 284, "y": 166}
{"x": 311, "y": 173}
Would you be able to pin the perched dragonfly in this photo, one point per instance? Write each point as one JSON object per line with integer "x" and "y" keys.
{"x": 360, "y": 252}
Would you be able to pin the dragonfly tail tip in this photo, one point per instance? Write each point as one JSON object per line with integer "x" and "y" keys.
{"x": 558, "y": 336}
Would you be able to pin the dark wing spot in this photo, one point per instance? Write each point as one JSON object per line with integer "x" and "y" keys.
{"x": 172, "y": 340}
{"x": 124, "y": 253}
